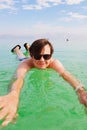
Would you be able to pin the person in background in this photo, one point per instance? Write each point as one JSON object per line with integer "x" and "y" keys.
{"x": 27, "y": 46}
{"x": 41, "y": 52}
{"x": 20, "y": 55}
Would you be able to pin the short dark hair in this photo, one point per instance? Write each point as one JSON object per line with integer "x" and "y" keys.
{"x": 37, "y": 46}
{"x": 25, "y": 44}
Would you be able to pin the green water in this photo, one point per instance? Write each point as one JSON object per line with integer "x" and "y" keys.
{"x": 47, "y": 102}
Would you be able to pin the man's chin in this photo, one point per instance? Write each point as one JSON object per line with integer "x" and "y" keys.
{"x": 41, "y": 67}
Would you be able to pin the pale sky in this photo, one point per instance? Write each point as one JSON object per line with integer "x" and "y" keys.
{"x": 27, "y": 20}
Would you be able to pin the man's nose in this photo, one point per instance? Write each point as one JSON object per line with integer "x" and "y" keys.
{"x": 42, "y": 59}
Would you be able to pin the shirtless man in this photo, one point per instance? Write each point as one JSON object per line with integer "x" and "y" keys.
{"x": 41, "y": 52}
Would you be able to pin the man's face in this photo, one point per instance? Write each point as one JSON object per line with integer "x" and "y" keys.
{"x": 44, "y": 58}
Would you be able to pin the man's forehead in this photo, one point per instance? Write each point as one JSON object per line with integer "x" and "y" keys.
{"x": 46, "y": 49}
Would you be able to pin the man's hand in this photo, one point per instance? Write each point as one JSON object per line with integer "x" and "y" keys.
{"x": 8, "y": 107}
{"x": 82, "y": 95}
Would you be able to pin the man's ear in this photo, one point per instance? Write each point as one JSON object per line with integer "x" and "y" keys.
{"x": 31, "y": 54}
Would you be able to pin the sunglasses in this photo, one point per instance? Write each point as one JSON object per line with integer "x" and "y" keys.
{"x": 45, "y": 56}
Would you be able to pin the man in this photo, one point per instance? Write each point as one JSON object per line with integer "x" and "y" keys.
{"x": 41, "y": 52}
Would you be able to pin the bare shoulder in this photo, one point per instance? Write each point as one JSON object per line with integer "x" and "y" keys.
{"x": 57, "y": 65}
{"x": 24, "y": 67}
{"x": 28, "y": 64}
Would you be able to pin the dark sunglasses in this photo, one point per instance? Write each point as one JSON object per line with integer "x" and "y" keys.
{"x": 45, "y": 56}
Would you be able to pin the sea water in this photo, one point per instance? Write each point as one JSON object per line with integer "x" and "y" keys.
{"x": 47, "y": 102}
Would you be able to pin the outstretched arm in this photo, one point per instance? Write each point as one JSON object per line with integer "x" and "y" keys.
{"x": 9, "y": 102}
{"x": 76, "y": 84}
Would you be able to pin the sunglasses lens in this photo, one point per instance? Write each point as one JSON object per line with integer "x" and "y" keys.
{"x": 46, "y": 57}
{"x": 37, "y": 57}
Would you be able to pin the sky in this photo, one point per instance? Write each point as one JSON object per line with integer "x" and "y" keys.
{"x": 57, "y": 20}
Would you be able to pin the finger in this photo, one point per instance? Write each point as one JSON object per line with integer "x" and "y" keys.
{"x": 1, "y": 106}
{"x": 14, "y": 119}
{"x": 86, "y": 103}
{"x": 1, "y": 103}
{"x": 8, "y": 120}
{"x": 3, "y": 113}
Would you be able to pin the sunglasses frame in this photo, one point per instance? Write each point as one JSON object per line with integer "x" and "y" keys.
{"x": 45, "y": 56}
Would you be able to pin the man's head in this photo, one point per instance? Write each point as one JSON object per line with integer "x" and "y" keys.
{"x": 41, "y": 52}
{"x": 38, "y": 45}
